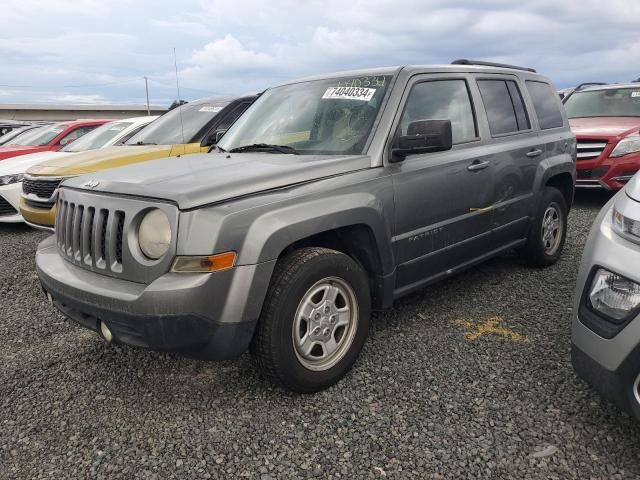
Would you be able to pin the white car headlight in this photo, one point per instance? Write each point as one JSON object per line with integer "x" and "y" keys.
{"x": 9, "y": 179}
{"x": 614, "y": 296}
{"x": 625, "y": 227}
{"x": 625, "y": 146}
{"x": 154, "y": 234}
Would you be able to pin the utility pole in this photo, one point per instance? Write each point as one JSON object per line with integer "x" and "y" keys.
{"x": 146, "y": 87}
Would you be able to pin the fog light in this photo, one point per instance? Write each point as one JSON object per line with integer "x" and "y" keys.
{"x": 106, "y": 333}
{"x": 614, "y": 296}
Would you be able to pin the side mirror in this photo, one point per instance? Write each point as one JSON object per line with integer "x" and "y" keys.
{"x": 424, "y": 136}
{"x": 213, "y": 138}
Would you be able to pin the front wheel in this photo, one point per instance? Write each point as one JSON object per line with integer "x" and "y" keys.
{"x": 314, "y": 321}
{"x": 548, "y": 231}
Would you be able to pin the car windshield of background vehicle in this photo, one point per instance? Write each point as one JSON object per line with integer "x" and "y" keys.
{"x": 180, "y": 125}
{"x": 97, "y": 138}
{"x": 609, "y": 102}
{"x": 326, "y": 117}
{"x": 38, "y": 138}
{"x": 14, "y": 134}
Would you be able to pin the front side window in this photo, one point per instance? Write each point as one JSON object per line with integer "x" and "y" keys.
{"x": 608, "y": 102}
{"x": 504, "y": 106}
{"x": 97, "y": 138}
{"x": 442, "y": 100}
{"x": 330, "y": 116}
{"x": 180, "y": 125}
{"x": 545, "y": 103}
{"x": 42, "y": 136}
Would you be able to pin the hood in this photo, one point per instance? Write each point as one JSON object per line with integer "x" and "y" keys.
{"x": 91, "y": 161}
{"x": 605, "y": 126}
{"x": 22, "y": 163}
{"x": 8, "y": 151}
{"x": 195, "y": 180}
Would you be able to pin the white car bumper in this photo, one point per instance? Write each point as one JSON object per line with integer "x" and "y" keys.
{"x": 9, "y": 200}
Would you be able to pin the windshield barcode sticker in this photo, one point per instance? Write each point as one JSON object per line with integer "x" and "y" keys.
{"x": 635, "y": 94}
{"x": 210, "y": 109}
{"x": 350, "y": 93}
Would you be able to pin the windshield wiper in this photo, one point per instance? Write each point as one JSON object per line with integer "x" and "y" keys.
{"x": 264, "y": 147}
{"x": 143, "y": 143}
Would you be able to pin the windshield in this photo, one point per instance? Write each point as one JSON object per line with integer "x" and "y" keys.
{"x": 97, "y": 138}
{"x": 14, "y": 134}
{"x": 609, "y": 102}
{"x": 39, "y": 137}
{"x": 327, "y": 117}
{"x": 169, "y": 128}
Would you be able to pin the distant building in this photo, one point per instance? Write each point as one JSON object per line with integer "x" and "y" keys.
{"x": 54, "y": 113}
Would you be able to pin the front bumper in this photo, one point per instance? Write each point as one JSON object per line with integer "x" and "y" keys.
{"x": 607, "y": 173}
{"x": 208, "y": 316}
{"x": 11, "y": 195}
{"x": 41, "y": 218}
{"x": 607, "y": 356}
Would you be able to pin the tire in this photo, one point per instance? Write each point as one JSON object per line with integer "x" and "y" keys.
{"x": 541, "y": 250}
{"x": 291, "y": 344}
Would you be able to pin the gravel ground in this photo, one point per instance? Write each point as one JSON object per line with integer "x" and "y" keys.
{"x": 423, "y": 401}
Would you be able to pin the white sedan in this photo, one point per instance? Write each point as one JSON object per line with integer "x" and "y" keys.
{"x": 12, "y": 170}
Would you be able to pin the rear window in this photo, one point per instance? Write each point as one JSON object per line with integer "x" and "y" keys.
{"x": 504, "y": 106}
{"x": 545, "y": 103}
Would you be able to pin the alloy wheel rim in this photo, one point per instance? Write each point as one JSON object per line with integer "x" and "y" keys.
{"x": 325, "y": 324}
{"x": 552, "y": 228}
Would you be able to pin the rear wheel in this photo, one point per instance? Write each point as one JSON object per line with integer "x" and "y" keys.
{"x": 314, "y": 321}
{"x": 549, "y": 230}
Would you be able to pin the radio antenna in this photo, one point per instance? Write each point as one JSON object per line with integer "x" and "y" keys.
{"x": 175, "y": 64}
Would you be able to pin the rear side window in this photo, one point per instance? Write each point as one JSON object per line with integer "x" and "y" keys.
{"x": 546, "y": 104}
{"x": 442, "y": 100}
{"x": 504, "y": 106}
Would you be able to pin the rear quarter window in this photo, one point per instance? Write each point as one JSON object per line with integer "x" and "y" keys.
{"x": 505, "y": 108}
{"x": 545, "y": 104}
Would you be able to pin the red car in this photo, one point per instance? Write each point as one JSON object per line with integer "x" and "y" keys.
{"x": 50, "y": 138}
{"x": 606, "y": 121}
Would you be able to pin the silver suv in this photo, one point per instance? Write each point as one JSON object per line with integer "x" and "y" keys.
{"x": 330, "y": 197}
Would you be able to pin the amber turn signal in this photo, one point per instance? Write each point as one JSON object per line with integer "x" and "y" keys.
{"x": 210, "y": 263}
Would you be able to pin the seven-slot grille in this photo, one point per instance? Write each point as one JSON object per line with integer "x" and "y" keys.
{"x": 90, "y": 235}
{"x": 42, "y": 188}
{"x": 6, "y": 208}
{"x": 588, "y": 149}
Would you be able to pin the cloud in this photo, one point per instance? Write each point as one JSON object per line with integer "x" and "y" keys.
{"x": 226, "y": 47}
{"x": 78, "y": 99}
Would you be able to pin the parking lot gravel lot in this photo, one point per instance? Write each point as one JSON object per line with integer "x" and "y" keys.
{"x": 427, "y": 399}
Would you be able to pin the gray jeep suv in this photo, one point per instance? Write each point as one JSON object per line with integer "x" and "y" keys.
{"x": 330, "y": 197}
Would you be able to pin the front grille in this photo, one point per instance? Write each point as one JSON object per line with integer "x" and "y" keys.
{"x": 40, "y": 187}
{"x": 80, "y": 228}
{"x": 589, "y": 149}
{"x": 584, "y": 174}
{"x": 588, "y": 173}
{"x": 6, "y": 208}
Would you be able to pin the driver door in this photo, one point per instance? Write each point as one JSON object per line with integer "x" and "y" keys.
{"x": 442, "y": 219}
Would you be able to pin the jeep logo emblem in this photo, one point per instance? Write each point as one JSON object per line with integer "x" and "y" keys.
{"x": 92, "y": 184}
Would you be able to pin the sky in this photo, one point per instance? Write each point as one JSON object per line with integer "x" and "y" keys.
{"x": 99, "y": 51}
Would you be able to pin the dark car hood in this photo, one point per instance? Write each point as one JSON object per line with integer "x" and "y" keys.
{"x": 195, "y": 180}
{"x": 604, "y": 126}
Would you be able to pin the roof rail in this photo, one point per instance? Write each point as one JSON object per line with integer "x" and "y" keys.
{"x": 587, "y": 84}
{"x": 464, "y": 61}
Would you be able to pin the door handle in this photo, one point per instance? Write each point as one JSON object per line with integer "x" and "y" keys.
{"x": 477, "y": 165}
{"x": 534, "y": 153}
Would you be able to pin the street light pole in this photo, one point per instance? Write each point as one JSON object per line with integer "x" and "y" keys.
{"x": 146, "y": 87}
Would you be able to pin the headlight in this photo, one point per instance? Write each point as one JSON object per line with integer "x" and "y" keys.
{"x": 625, "y": 146}
{"x": 614, "y": 296}
{"x": 625, "y": 227}
{"x": 154, "y": 234}
{"x": 9, "y": 179}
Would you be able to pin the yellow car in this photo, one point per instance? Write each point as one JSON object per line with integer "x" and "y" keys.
{"x": 190, "y": 128}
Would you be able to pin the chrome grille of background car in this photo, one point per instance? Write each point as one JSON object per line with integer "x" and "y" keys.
{"x": 90, "y": 235}
{"x": 42, "y": 188}
{"x": 98, "y": 232}
{"x": 590, "y": 148}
